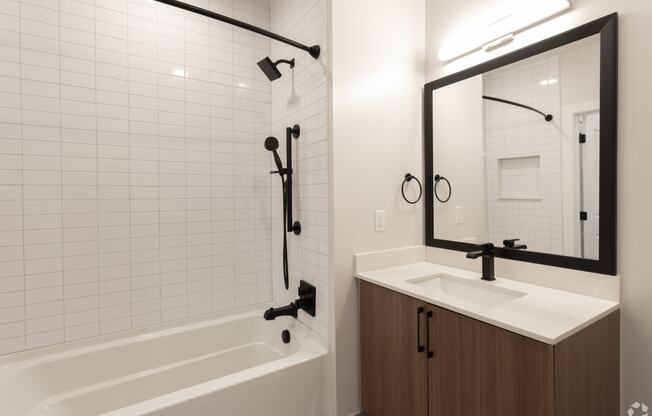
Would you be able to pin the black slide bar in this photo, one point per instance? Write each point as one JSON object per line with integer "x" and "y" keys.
{"x": 314, "y": 50}
{"x": 547, "y": 117}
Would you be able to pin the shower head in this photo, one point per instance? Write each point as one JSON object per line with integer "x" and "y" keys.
{"x": 271, "y": 144}
{"x": 270, "y": 68}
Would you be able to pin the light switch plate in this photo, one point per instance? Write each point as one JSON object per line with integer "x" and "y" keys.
{"x": 380, "y": 220}
{"x": 458, "y": 215}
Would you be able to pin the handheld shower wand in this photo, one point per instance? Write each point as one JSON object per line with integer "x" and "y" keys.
{"x": 271, "y": 144}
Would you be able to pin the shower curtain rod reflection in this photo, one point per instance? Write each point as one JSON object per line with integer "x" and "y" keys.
{"x": 547, "y": 117}
{"x": 314, "y": 50}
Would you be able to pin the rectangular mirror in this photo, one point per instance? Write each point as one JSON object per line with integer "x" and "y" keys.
{"x": 520, "y": 152}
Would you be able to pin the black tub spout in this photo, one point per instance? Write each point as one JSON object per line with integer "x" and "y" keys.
{"x": 273, "y": 313}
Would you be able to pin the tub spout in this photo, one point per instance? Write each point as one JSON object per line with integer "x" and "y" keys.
{"x": 273, "y": 313}
{"x": 306, "y": 302}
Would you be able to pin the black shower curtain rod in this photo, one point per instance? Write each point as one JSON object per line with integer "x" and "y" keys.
{"x": 314, "y": 50}
{"x": 547, "y": 117}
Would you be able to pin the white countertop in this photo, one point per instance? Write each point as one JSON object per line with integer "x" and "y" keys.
{"x": 544, "y": 314}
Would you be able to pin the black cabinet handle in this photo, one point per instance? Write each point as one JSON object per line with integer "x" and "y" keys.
{"x": 428, "y": 318}
{"x": 420, "y": 348}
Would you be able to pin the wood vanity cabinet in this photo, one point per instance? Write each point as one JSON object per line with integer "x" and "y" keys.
{"x": 394, "y": 368}
{"x": 469, "y": 368}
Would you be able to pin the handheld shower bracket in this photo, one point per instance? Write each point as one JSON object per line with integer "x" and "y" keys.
{"x": 290, "y": 133}
{"x": 295, "y": 131}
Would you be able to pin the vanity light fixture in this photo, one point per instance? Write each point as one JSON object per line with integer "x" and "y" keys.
{"x": 498, "y": 43}
{"x": 503, "y": 29}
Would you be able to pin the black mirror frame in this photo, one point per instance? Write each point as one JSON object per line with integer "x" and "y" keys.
{"x": 607, "y": 27}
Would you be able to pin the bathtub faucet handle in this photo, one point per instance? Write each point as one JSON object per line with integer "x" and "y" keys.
{"x": 307, "y": 297}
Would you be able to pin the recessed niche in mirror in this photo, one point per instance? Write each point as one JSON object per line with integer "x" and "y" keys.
{"x": 523, "y": 148}
{"x": 520, "y": 149}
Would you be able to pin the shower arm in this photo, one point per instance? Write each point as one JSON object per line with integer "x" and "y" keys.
{"x": 547, "y": 117}
{"x": 285, "y": 61}
{"x": 314, "y": 50}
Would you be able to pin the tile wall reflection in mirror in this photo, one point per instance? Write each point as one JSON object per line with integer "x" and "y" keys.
{"x": 516, "y": 154}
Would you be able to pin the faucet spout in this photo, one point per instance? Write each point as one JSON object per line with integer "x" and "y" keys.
{"x": 273, "y": 313}
{"x": 487, "y": 253}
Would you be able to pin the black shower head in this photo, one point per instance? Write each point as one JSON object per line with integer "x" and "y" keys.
{"x": 270, "y": 68}
{"x": 271, "y": 143}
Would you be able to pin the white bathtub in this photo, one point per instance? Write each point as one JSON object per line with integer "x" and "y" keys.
{"x": 229, "y": 366}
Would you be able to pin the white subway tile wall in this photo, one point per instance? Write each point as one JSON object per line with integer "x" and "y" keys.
{"x": 134, "y": 187}
{"x": 301, "y": 97}
{"x": 530, "y": 151}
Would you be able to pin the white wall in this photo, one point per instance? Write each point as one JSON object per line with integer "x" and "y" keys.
{"x": 378, "y": 66}
{"x": 133, "y": 178}
{"x": 634, "y": 194}
{"x": 458, "y": 155}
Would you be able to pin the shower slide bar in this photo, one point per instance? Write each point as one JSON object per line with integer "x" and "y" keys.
{"x": 314, "y": 50}
{"x": 547, "y": 117}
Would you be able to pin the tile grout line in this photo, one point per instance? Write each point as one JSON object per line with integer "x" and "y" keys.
{"x": 131, "y": 277}
{"x": 158, "y": 165}
{"x": 97, "y": 180}
{"x": 233, "y": 173}
{"x": 22, "y": 173}
{"x": 185, "y": 120}
{"x": 63, "y": 254}
{"x": 210, "y": 167}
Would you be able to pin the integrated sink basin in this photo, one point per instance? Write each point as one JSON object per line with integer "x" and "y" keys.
{"x": 478, "y": 292}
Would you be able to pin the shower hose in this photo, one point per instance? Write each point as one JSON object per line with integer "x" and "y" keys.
{"x": 285, "y": 235}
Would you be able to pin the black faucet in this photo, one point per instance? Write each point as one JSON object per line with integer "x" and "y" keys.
{"x": 487, "y": 253}
{"x": 306, "y": 302}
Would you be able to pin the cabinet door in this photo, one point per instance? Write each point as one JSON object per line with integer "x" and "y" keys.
{"x": 481, "y": 370}
{"x": 393, "y": 369}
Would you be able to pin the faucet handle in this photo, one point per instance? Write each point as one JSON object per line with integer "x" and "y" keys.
{"x": 486, "y": 246}
{"x": 486, "y": 249}
{"x": 512, "y": 244}
{"x": 307, "y": 297}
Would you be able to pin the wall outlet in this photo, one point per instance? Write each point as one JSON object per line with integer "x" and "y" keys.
{"x": 458, "y": 215}
{"x": 380, "y": 220}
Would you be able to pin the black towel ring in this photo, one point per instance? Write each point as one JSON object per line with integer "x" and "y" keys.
{"x": 408, "y": 178}
{"x": 450, "y": 189}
